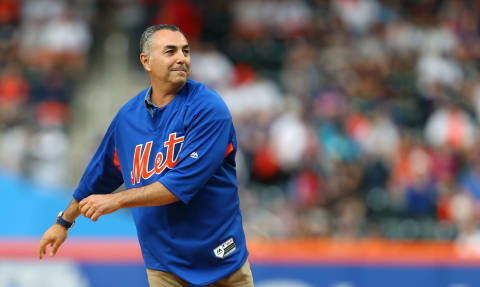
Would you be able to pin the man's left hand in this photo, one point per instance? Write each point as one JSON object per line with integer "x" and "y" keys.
{"x": 97, "y": 205}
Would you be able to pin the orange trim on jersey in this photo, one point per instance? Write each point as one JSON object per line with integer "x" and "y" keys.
{"x": 116, "y": 161}
{"x": 229, "y": 150}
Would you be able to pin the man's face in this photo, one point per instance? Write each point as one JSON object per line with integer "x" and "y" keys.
{"x": 169, "y": 60}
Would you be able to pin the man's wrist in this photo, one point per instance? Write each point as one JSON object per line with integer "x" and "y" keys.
{"x": 120, "y": 199}
{"x": 68, "y": 217}
{"x": 63, "y": 222}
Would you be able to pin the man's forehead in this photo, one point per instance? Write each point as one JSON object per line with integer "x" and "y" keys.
{"x": 170, "y": 38}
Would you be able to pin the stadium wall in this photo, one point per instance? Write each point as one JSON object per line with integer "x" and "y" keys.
{"x": 292, "y": 263}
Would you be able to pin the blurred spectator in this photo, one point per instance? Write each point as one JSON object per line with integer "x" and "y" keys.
{"x": 421, "y": 194}
{"x": 450, "y": 126}
{"x": 469, "y": 181}
{"x": 300, "y": 74}
{"x": 9, "y": 11}
{"x": 436, "y": 75}
{"x": 377, "y": 136}
{"x": 65, "y": 41}
{"x": 350, "y": 214}
{"x": 47, "y": 52}
{"x": 13, "y": 148}
{"x": 211, "y": 67}
{"x": 254, "y": 18}
{"x": 181, "y": 13}
{"x": 47, "y": 156}
{"x": 14, "y": 92}
{"x": 358, "y": 15}
{"x": 289, "y": 139}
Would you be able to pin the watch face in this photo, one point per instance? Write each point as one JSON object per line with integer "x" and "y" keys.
{"x": 60, "y": 213}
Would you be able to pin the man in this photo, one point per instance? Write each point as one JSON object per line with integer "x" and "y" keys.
{"x": 173, "y": 145}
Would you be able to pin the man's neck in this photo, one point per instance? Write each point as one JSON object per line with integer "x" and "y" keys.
{"x": 162, "y": 94}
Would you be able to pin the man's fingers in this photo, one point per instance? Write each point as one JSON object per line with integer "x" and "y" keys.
{"x": 42, "y": 248}
{"x": 84, "y": 208}
{"x": 54, "y": 237}
{"x": 89, "y": 212}
{"x": 55, "y": 247}
{"x": 96, "y": 215}
{"x": 51, "y": 245}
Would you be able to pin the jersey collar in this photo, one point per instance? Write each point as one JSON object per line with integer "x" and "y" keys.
{"x": 148, "y": 101}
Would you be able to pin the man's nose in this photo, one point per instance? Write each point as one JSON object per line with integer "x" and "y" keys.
{"x": 181, "y": 57}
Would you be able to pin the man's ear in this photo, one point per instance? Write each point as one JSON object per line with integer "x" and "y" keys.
{"x": 145, "y": 60}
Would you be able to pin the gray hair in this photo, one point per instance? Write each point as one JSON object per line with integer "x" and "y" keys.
{"x": 147, "y": 36}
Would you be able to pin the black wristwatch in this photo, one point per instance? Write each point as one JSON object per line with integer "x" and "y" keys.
{"x": 63, "y": 222}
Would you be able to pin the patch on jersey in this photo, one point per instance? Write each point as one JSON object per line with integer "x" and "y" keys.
{"x": 194, "y": 155}
{"x": 225, "y": 249}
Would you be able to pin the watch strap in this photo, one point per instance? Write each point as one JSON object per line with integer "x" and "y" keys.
{"x": 63, "y": 222}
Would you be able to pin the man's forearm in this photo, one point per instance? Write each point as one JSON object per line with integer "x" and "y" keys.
{"x": 72, "y": 211}
{"x": 154, "y": 194}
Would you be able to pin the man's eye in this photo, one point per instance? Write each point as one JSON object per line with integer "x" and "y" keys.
{"x": 186, "y": 51}
{"x": 169, "y": 51}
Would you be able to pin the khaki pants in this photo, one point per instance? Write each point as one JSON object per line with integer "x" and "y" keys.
{"x": 240, "y": 278}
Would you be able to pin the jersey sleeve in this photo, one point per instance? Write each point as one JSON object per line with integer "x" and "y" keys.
{"x": 206, "y": 143}
{"x": 103, "y": 174}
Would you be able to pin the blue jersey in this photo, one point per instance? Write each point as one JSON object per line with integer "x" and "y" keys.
{"x": 189, "y": 146}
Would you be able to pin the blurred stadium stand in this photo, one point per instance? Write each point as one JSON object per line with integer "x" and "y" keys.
{"x": 356, "y": 119}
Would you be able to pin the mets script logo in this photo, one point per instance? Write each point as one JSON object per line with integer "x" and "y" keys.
{"x": 141, "y": 158}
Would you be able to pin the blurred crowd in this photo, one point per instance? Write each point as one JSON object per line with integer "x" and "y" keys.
{"x": 44, "y": 49}
{"x": 354, "y": 118}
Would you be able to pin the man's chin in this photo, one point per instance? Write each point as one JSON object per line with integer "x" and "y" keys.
{"x": 180, "y": 80}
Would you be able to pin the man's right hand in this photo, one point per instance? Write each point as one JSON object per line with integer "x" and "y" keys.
{"x": 54, "y": 237}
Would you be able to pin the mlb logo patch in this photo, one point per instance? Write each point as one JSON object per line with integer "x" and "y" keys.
{"x": 225, "y": 249}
